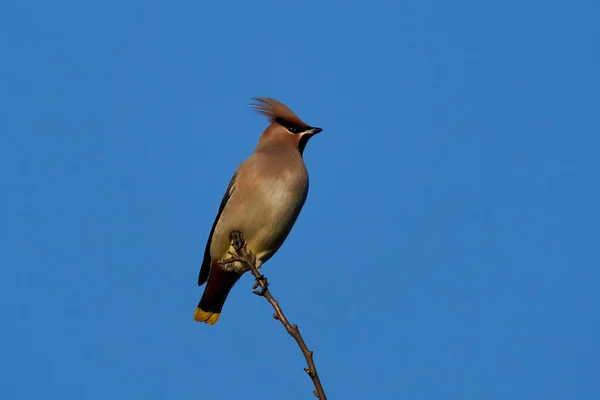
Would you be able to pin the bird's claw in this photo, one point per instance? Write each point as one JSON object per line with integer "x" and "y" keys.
{"x": 237, "y": 241}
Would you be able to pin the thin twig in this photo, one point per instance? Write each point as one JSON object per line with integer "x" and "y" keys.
{"x": 245, "y": 257}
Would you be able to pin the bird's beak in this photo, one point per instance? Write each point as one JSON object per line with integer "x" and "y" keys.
{"x": 314, "y": 131}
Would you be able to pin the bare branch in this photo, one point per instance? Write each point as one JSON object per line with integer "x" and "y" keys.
{"x": 243, "y": 256}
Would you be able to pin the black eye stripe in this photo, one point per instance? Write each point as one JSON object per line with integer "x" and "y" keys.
{"x": 291, "y": 128}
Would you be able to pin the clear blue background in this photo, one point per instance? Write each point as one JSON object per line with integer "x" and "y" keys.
{"x": 448, "y": 248}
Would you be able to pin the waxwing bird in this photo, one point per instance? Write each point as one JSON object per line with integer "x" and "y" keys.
{"x": 262, "y": 201}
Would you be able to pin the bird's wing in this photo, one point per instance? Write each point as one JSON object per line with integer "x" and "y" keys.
{"x": 205, "y": 269}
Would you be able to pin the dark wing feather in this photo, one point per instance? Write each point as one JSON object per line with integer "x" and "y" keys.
{"x": 205, "y": 269}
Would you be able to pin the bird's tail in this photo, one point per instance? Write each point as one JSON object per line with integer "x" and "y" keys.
{"x": 215, "y": 293}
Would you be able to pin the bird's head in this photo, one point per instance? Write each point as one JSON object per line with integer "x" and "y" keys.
{"x": 286, "y": 128}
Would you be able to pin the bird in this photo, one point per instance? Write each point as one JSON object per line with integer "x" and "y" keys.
{"x": 263, "y": 201}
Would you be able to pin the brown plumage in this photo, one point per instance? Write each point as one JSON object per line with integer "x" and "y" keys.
{"x": 263, "y": 200}
{"x": 276, "y": 111}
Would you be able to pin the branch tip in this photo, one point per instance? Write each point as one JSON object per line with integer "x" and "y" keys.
{"x": 243, "y": 256}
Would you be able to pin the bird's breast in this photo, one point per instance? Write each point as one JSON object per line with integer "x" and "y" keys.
{"x": 264, "y": 212}
{"x": 267, "y": 197}
{"x": 275, "y": 206}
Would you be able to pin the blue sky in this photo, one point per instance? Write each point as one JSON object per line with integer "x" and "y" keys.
{"x": 448, "y": 247}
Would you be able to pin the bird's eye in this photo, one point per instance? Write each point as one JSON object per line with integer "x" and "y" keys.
{"x": 293, "y": 129}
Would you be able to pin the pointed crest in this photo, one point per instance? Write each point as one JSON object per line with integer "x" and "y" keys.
{"x": 276, "y": 111}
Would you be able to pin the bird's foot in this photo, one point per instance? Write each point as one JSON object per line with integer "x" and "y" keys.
{"x": 240, "y": 253}
{"x": 239, "y": 245}
{"x": 237, "y": 241}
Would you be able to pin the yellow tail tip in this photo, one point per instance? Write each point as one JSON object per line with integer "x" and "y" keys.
{"x": 204, "y": 316}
